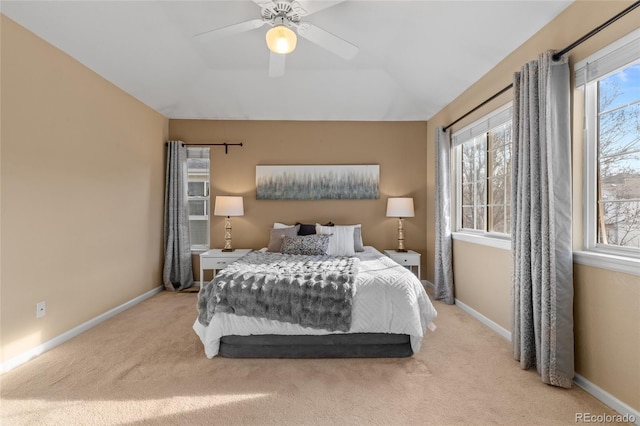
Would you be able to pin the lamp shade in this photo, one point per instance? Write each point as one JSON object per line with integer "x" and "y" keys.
{"x": 281, "y": 39}
{"x": 400, "y": 207}
{"x": 228, "y": 206}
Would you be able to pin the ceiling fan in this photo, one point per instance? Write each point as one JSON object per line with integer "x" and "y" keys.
{"x": 282, "y": 15}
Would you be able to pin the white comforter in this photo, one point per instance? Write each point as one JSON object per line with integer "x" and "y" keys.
{"x": 388, "y": 298}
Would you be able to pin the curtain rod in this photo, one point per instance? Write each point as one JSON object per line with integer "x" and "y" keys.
{"x": 226, "y": 145}
{"x": 595, "y": 31}
{"x": 557, "y": 55}
{"x": 481, "y": 105}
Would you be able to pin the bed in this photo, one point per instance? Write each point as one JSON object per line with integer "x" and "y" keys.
{"x": 389, "y": 316}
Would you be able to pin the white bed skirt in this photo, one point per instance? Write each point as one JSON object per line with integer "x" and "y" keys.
{"x": 388, "y": 298}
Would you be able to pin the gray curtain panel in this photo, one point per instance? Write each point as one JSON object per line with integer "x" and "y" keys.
{"x": 177, "y": 273}
{"x": 542, "y": 331}
{"x": 443, "y": 258}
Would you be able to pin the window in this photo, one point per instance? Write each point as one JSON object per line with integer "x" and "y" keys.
{"x": 198, "y": 172}
{"x": 483, "y": 174}
{"x": 473, "y": 164}
{"x": 618, "y": 153}
{"x": 612, "y": 147}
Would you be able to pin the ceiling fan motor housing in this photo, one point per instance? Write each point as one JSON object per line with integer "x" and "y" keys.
{"x": 282, "y": 13}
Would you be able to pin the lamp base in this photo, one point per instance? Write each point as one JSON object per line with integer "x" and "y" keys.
{"x": 227, "y": 235}
{"x": 401, "y": 248}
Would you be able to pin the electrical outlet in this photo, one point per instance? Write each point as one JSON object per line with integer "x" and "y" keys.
{"x": 40, "y": 309}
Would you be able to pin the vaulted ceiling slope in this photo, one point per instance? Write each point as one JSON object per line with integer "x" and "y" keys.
{"x": 414, "y": 57}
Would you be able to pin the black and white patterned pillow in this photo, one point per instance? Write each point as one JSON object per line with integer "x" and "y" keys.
{"x": 310, "y": 245}
{"x": 276, "y": 236}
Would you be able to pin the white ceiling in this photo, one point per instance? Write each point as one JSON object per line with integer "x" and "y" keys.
{"x": 414, "y": 56}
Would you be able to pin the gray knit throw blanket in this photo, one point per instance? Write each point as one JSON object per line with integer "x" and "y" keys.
{"x": 313, "y": 291}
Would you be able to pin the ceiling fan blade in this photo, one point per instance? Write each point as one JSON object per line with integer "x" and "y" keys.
{"x": 327, "y": 40}
{"x": 276, "y": 64}
{"x": 306, "y": 7}
{"x": 228, "y": 31}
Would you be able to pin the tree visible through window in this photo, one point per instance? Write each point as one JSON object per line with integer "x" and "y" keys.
{"x": 499, "y": 179}
{"x": 474, "y": 175}
{"x": 618, "y": 174}
{"x": 485, "y": 182}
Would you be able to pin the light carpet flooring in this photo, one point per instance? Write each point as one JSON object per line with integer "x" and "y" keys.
{"x": 146, "y": 366}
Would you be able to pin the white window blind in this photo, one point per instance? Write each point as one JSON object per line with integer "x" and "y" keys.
{"x": 498, "y": 118}
{"x": 609, "y": 59}
{"x": 195, "y": 152}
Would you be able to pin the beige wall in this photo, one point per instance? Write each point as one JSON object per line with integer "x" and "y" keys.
{"x": 606, "y": 303}
{"x": 607, "y": 330}
{"x": 82, "y": 182}
{"x": 491, "y": 293}
{"x": 398, "y": 147}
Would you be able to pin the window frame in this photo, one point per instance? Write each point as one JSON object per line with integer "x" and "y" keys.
{"x": 591, "y": 167}
{"x": 612, "y": 58}
{"x": 607, "y": 256}
{"x": 483, "y": 237}
{"x": 198, "y": 248}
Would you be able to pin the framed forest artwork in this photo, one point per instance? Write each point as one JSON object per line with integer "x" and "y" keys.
{"x": 341, "y": 182}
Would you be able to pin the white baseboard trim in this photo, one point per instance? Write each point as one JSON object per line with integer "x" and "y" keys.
{"x": 429, "y": 284}
{"x": 56, "y": 341}
{"x": 486, "y": 321}
{"x": 597, "y": 392}
{"x": 607, "y": 399}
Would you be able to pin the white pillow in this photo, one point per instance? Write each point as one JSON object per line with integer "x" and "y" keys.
{"x": 279, "y": 225}
{"x": 357, "y": 237}
{"x": 341, "y": 242}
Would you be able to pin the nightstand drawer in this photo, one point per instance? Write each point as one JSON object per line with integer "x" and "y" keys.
{"x": 406, "y": 260}
{"x": 215, "y": 263}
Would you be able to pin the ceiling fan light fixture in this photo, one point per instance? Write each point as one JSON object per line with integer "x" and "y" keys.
{"x": 281, "y": 39}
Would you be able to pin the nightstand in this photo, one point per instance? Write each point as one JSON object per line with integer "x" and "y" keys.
{"x": 410, "y": 259}
{"x": 217, "y": 259}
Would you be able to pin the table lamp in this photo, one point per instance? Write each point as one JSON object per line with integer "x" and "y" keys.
{"x": 400, "y": 208}
{"x": 228, "y": 206}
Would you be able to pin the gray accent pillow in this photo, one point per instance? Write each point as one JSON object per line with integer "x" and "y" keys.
{"x": 311, "y": 245}
{"x": 276, "y": 236}
{"x": 357, "y": 239}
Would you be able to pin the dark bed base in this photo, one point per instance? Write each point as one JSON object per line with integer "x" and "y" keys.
{"x": 356, "y": 345}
